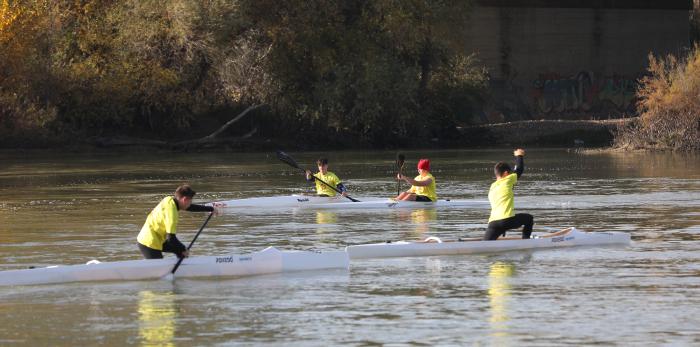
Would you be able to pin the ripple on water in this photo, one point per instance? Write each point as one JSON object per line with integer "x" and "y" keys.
{"x": 72, "y": 208}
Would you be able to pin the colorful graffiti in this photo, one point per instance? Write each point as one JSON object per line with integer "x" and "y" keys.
{"x": 552, "y": 93}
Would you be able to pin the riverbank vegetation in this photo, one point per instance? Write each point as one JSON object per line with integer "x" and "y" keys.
{"x": 315, "y": 73}
{"x": 669, "y": 101}
{"x": 356, "y": 72}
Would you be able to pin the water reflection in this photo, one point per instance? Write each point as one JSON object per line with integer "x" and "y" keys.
{"x": 421, "y": 220}
{"x": 326, "y": 217}
{"x": 157, "y": 315}
{"x": 499, "y": 295}
{"x": 326, "y": 221}
{"x": 60, "y": 202}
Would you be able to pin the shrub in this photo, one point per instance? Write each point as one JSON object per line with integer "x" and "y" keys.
{"x": 670, "y": 106}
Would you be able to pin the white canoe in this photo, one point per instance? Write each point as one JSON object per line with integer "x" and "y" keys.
{"x": 340, "y": 203}
{"x": 267, "y": 261}
{"x": 433, "y": 246}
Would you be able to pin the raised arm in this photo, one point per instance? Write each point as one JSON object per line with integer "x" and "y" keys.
{"x": 519, "y": 162}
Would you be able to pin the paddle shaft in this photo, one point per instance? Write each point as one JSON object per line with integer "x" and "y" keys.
{"x": 399, "y": 164}
{"x": 398, "y": 185}
{"x": 330, "y": 186}
{"x": 179, "y": 261}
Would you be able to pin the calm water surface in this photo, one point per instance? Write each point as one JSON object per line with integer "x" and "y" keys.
{"x": 62, "y": 208}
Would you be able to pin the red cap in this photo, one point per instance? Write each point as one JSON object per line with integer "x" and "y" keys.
{"x": 424, "y": 164}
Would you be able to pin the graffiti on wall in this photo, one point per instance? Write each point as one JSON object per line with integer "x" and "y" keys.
{"x": 552, "y": 93}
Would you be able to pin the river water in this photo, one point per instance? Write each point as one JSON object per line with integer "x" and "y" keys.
{"x": 68, "y": 208}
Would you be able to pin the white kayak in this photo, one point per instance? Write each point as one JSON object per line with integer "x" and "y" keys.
{"x": 267, "y": 261}
{"x": 289, "y": 201}
{"x": 340, "y": 203}
{"x": 393, "y": 204}
{"x": 433, "y": 246}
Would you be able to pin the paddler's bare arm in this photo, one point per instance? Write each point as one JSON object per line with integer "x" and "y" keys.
{"x": 413, "y": 182}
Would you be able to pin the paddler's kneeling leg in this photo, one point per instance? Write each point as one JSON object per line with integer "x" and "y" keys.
{"x": 528, "y": 221}
{"x": 499, "y": 227}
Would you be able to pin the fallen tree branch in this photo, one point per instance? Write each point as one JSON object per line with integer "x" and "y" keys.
{"x": 211, "y": 139}
{"x": 214, "y": 137}
{"x": 227, "y": 125}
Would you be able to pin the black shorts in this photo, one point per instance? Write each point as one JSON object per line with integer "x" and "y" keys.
{"x": 423, "y": 198}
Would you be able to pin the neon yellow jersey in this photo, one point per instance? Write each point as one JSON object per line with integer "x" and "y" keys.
{"x": 331, "y": 179}
{"x": 501, "y": 197}
{"x": 428, "y": 190}
{"x": 162, "y": 220}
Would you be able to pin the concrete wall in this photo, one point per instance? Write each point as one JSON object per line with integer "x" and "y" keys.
{"x": 574, "y": 61}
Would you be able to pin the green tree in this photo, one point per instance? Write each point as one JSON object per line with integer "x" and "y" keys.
{"x": 369, "y": 68}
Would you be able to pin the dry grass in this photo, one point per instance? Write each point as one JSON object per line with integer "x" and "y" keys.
{"x": 669, "y": 101}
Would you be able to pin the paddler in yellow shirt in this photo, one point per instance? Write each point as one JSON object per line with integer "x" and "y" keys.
{"x": 326, "y": 176}
{"x": 158, "y": 233}
{"x": 503, "y": 216}
{"x": 422, "y": 187}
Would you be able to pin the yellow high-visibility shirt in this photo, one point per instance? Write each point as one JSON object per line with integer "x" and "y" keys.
{"x": 501, "y": 197}
{"x": 331, "y": 179}
{"x": 161, "y": 221}
{"x": 428, "y": 190}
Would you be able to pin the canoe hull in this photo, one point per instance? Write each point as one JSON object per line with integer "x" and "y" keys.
{"x": 267, "y": 261}
{"x": 572, "y": 238}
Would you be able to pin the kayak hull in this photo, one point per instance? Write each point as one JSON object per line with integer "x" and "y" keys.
{"x": 267, "y": 261}
{"x": 289, "y": 201}
{"x": 567, "y": 238}
{"x": 340, "y": 203}
{"x": 392, "y": 204}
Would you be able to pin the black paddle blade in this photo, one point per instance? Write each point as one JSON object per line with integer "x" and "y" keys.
{"x": 285, "y": 158}
{"x": 400, "y": 158}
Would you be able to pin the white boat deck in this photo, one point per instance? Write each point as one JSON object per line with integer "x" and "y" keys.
{"x": 272, "y": 260}
{"x": 432, "y": 246}
{"x": 341, "y": 203}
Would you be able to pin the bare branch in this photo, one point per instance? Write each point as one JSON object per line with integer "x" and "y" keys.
{"x": 228, "y": 124}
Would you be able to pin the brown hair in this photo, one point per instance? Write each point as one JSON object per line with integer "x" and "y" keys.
{"x": 184, "y": 190}
{"x": 322, "y": 161}
{"x": 500, "y": 168}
